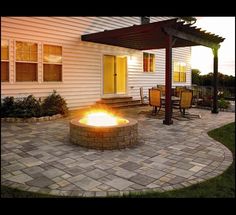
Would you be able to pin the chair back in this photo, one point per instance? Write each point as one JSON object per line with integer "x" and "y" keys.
{"x": 178, "y": 91}
{"x": 155, "y": 97}
{"x": 186, "y": 97}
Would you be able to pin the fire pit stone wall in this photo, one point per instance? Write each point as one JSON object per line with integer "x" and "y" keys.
{"x": 113, "y": 137}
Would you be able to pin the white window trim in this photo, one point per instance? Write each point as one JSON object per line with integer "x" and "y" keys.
{"x": 149, "y": 72}
{"x": 8, "y": 61}
{"x": 181, "y": 82}
{"x": 15, "y": 61}
{"x": 42, "y": 56}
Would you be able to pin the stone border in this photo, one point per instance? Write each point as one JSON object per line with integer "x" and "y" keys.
{"x": 32, "y": 119}
{"x": 110, "y": 137}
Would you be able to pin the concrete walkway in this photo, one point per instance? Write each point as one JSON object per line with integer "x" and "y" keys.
{"x": 39, "y": 157}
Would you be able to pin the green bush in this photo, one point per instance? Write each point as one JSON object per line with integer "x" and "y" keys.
{"x": 27, "y": 107}
{"x": 54, "y": 104}
{"x": 7, "y": 106}
{"x": 223, "y": 104}
{"x": 31, "y": 107}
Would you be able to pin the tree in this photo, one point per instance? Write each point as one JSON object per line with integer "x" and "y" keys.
{"x": 196, "y": 78}
{"x": 207, "y": 79}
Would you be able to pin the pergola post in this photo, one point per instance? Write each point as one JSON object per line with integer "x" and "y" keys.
{"x": 168, "y": 81}
{"x": 215, "y": 81}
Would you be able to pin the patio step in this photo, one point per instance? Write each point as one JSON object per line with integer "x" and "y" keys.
{"x": 118, "y": 102}
{"x": 112, "y": 100}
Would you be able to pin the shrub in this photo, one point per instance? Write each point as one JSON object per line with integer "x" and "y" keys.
{"x": 31, "y": 107}
{"x": 54, "y": 104}
{"x": 27, "y": 107}
{"x": 223, "y": 104}
{"x": 7, "y": 106}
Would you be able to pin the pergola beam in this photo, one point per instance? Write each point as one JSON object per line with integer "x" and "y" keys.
{"x": 190, "y": 37}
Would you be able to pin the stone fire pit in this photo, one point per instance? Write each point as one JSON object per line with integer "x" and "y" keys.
{"x": 117, "y": 136}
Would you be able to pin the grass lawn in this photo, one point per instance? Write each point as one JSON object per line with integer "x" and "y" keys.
{"x": 220, "y": 186}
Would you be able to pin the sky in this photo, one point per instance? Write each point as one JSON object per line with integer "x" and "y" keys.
{"x": 202, "y": 57}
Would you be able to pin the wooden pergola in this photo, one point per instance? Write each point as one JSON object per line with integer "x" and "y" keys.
{"x": 164, "y": 34}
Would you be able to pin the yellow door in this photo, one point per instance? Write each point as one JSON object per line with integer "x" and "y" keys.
{"x": 121, "y": 68}
{"x": 114, "y": 74}
{"x": 108, "y": 74}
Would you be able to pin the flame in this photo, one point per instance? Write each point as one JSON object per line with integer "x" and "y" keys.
{"x": 102, "y": 119}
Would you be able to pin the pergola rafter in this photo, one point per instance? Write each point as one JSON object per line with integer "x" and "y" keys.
{"x": 189, "y": 37}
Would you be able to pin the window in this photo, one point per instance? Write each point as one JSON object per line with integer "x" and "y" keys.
{"x": 148, "y": 62}
{"x": 179, "y": 72}
{"x": 4, "y": 61}
{"x": 26, "y": 61}
{"x": 145, "y": 20}
{"x": 52, "y": 66}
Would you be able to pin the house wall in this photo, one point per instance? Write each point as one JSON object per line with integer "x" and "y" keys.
{"x": 82, "y": 61}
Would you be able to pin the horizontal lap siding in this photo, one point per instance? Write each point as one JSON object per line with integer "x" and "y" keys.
{"x": 82, "y": 61}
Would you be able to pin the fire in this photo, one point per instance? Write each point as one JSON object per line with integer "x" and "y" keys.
{"x": 102, "y": 119}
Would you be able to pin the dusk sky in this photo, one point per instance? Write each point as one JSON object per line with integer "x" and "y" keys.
{"x": 202, "y": 57}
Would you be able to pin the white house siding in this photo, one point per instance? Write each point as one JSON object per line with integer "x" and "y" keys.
{"x": 82, "y": 61}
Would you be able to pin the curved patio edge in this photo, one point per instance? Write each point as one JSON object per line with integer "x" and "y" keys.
{"x": 179, "y": 162}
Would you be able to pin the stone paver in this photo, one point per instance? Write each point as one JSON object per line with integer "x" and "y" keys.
{"x": 22, "y": 178}
{"x": 96, "y": 173}
{"x": 87, "y": 183}
{"x": 29, "y": 162}
{"x": 74, "y": 170}
{"x": 119, "y": 183}
{"x": 40, "y": 182}
{"x": 41, "y": 158}
{"x": 124, "y": 173}
{"x": 33, "y": 170}
{"x": 142, "y": 179}
{"x": 52, "y": 173}
{"x": 130, "y": 165}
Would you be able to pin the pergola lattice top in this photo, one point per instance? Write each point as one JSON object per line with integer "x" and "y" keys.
{"x": 153, "y": 36}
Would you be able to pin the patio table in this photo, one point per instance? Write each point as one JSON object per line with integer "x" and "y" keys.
{"x": 174, "y": 99}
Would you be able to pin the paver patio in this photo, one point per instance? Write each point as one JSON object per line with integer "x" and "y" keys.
{"x": 39, "y": 157}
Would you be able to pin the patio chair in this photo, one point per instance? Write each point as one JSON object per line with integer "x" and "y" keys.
{"x": 155, "y": 100}
{"x": 186, "y": 98}
{"x": 178, "y": 90}
{"x": 162, "y": 89}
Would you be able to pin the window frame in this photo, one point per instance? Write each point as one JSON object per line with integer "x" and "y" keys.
{"x": 30, "y": 62}
{"x": 7, "y": 61}
{"x": 154, "y": 62}
{"x": 179, "y": 72}
{"x": 42, "y": 48}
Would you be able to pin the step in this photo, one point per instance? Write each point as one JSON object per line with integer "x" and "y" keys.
{"x": 113, "y": 101}
{"x": 129, "y": 105}
{"x": 117, "y": 97}
{"x": 124, "y": 104}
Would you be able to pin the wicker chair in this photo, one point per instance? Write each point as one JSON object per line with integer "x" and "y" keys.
{"x": 186, "y": 97}
{"x": 155, "y": 100}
